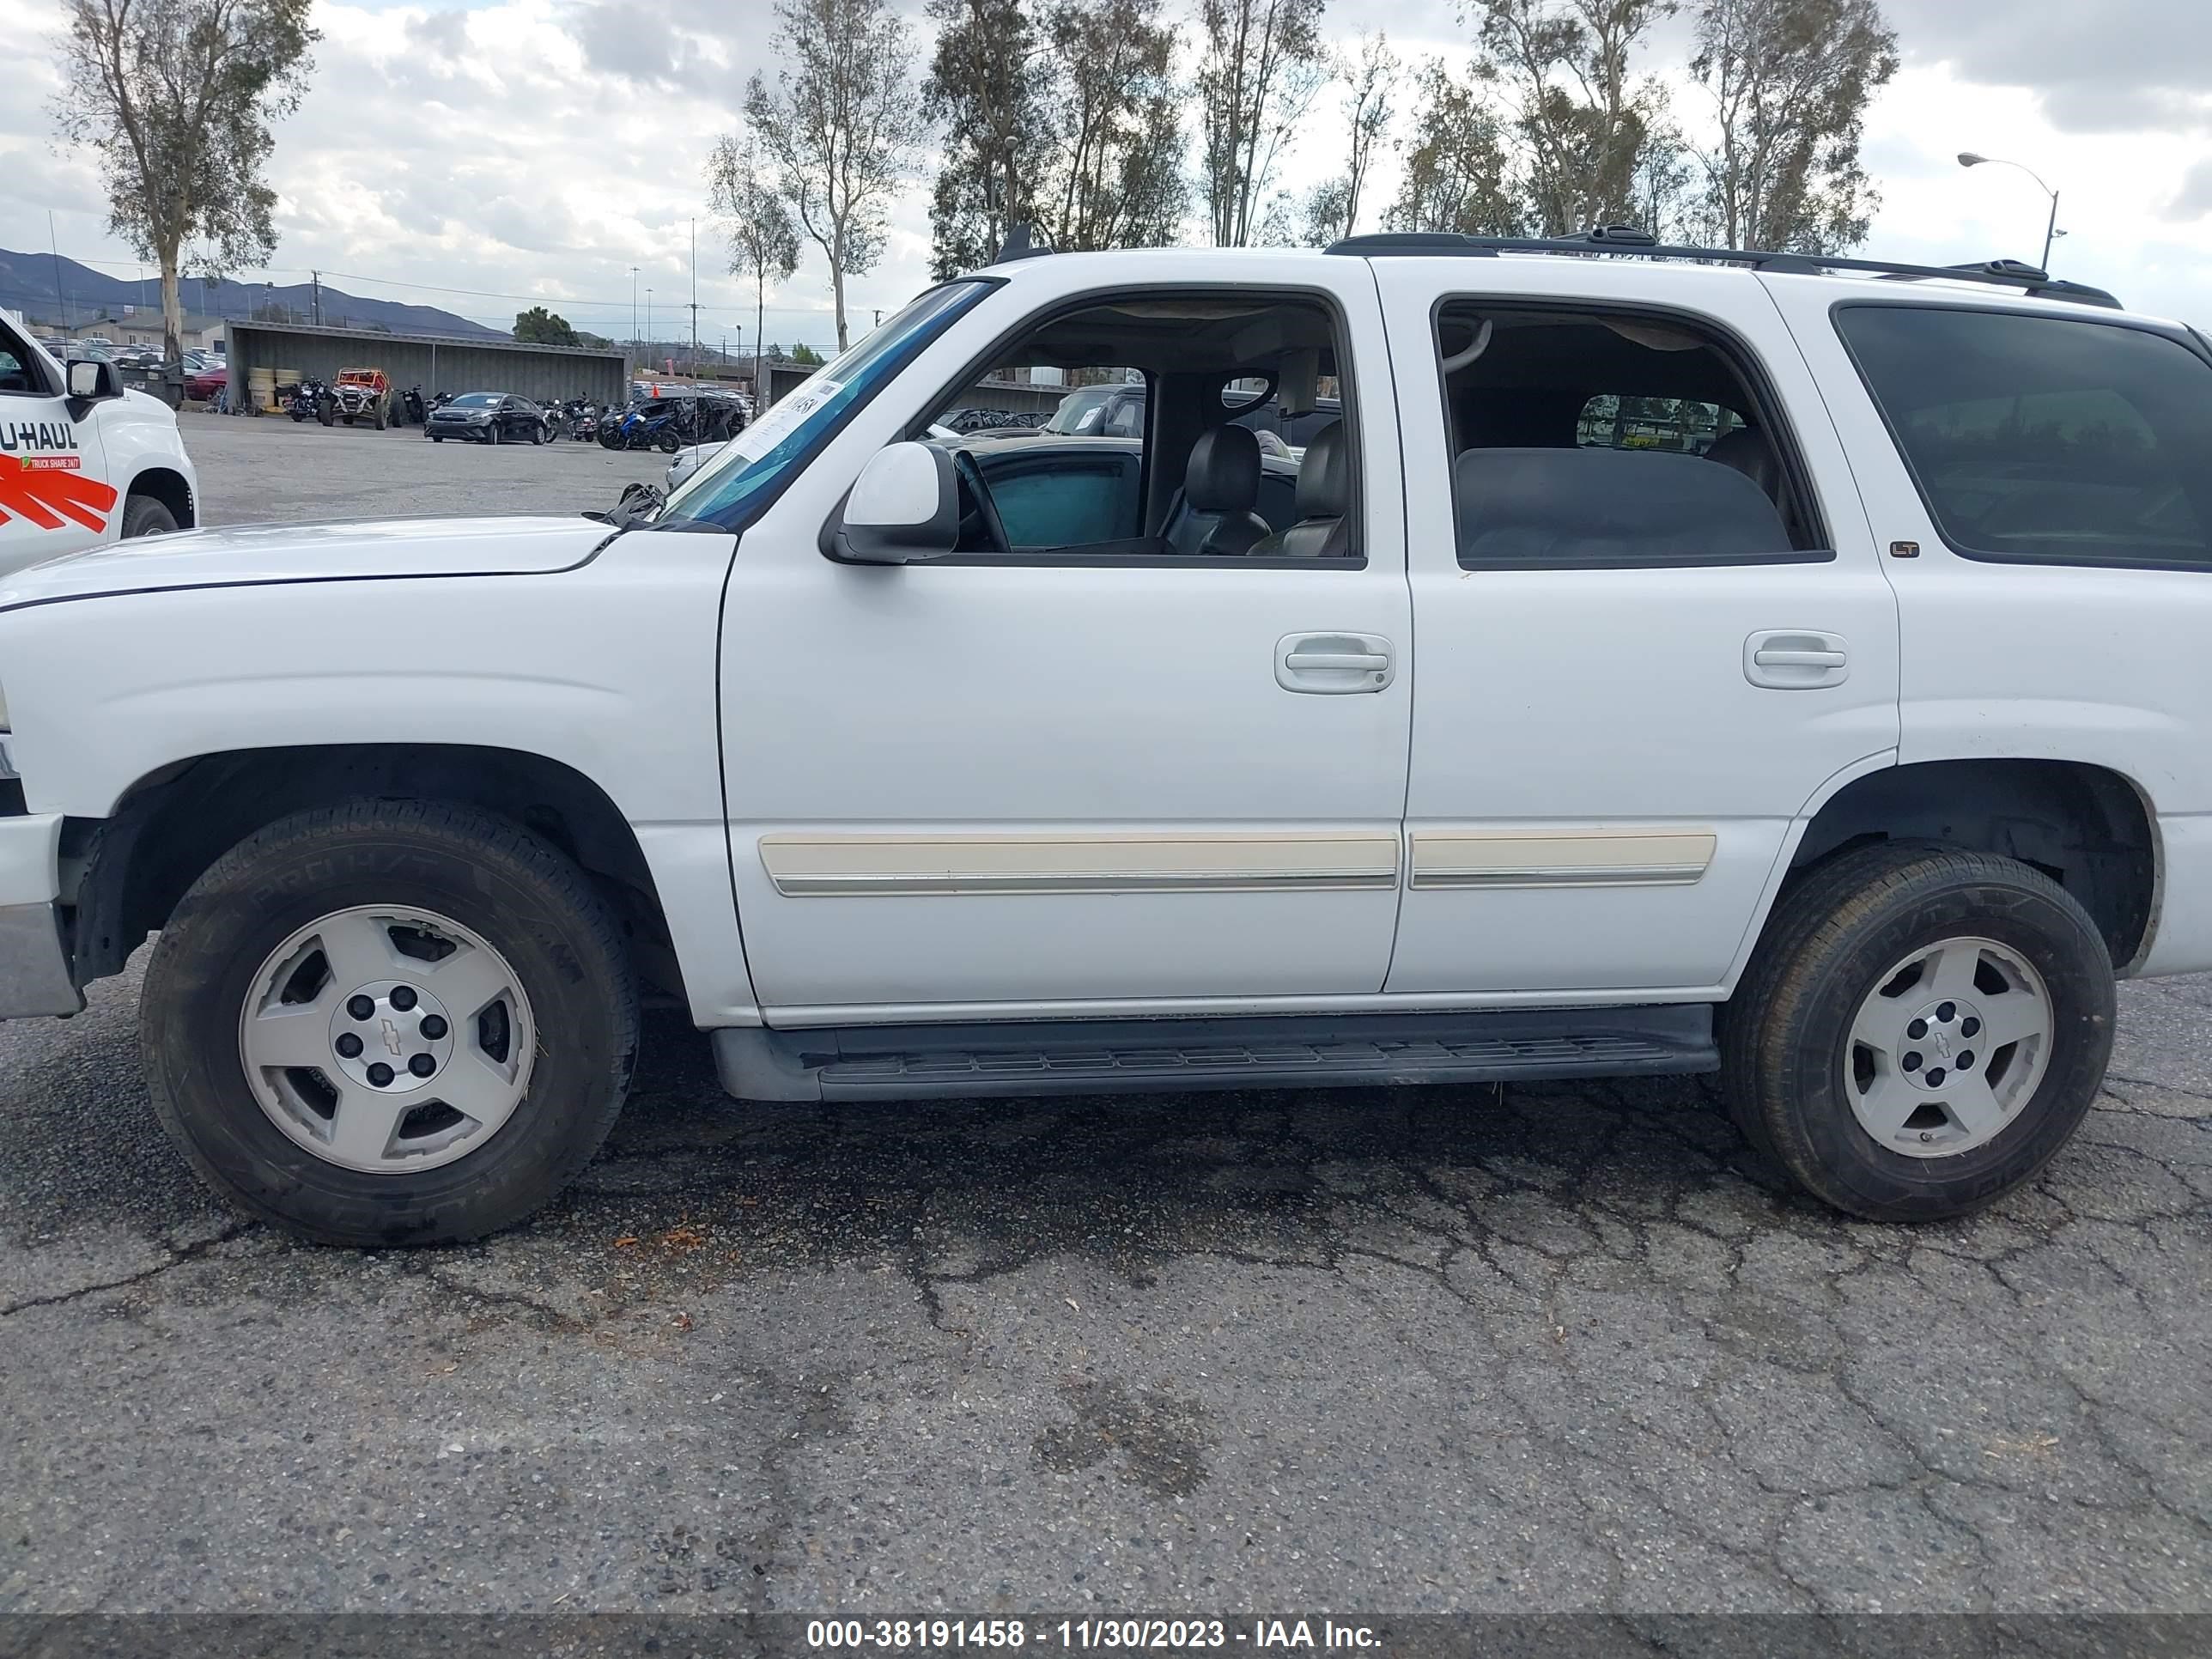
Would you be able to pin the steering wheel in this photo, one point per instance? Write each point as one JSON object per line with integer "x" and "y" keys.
{"x": 986, "y": 510}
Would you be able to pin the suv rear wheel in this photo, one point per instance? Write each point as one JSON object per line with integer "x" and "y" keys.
{"x": 389, "y": 1022}
{"x": 1920, "y": 1030}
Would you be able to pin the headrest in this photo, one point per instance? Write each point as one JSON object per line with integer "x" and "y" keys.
{"x": 1224, "y": 474}
{"x": 1325, "y": 476}
{"x": 1608, "y": 507}
{"x": 1746, "y": 450}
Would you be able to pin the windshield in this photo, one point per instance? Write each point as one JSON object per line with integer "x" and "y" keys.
{"x": 747, "y": 472}
{"x": 475, "y": 400}
{"x": 1080, "y": 411}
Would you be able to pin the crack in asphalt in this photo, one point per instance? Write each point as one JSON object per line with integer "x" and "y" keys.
{"x": 1579, "y": 1346}
{"x": 177, "y": 1258}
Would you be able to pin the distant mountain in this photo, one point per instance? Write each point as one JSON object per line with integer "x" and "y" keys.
{"x": 26, "y": 284}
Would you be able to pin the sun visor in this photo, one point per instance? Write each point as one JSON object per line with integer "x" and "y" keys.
{"x": 1297, "y": 392}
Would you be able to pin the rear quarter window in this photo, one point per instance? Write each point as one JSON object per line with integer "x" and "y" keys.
{"x": 2045, "y": 439}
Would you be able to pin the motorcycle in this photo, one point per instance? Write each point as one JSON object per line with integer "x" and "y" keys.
{"x": 313, "y": 400}
{"x": 417, "y": 412}
{"x": 587, "y": 426}
{"x": 609, "y": 433}
{"x": 657, "y": 424}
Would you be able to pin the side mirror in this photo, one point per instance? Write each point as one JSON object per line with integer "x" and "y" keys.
{"x": 90, "y": 382}
{"x": 904, "y": 506}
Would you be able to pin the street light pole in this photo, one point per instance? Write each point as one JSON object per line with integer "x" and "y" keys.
{"x": 2051, "y": 231}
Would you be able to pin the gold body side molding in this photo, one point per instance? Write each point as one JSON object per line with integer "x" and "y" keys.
{"x": 846, "y": 866}
{"x": 1561, "y": 857}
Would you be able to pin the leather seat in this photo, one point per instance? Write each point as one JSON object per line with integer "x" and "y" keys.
{"x": 1323, "y": 530}
{"x": 1220, "y": 488}
{"x": 1746, "y": 449}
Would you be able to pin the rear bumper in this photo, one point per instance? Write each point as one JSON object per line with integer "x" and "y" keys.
{"x": 35, "y": 963}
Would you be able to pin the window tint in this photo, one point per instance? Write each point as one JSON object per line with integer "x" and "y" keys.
{"x": 1058, "y": 505}
{"x": 1591, "y": 440}
{"x": 2043, "y": 438}
{"x": 17, "y": 374}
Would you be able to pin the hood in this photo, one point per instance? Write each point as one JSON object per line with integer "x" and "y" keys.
{"x": 357, "y": 550}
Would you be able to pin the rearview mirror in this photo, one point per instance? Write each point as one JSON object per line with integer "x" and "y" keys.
{"x": 90, "y": 381}
{"x": 905, "y": 505}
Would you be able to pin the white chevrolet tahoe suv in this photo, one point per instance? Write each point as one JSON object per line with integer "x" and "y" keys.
{"x": 81, "y": 460}
{"x": 1680, "y": 662}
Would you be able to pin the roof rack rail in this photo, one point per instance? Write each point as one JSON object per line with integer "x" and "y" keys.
{"x": 1022, "y": 243}
{"x": 1627, "y": 241}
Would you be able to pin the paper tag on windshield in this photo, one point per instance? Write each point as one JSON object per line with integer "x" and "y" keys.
{"x": 765, "y": 433}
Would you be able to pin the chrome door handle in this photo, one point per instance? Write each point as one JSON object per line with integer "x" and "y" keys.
{"x": 1333, "y": 663}
{"x": 1792, "y": 660}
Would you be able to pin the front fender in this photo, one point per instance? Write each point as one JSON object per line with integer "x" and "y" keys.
{"x": 608, "y": 669}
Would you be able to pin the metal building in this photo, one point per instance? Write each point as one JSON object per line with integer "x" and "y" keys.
{"x": 540, "y": 373}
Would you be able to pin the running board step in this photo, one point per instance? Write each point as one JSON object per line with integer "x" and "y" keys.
{"x": 919, "y": 1062}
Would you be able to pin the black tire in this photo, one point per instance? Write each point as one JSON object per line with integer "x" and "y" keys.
{"x": 494, "y": 434}
{"x": 144, "y": 516}
{"x": 537, "y": 433}
{"x": 1786, "y": 1033}
{"x": 381, "y": 422}
{"x": 437, "y": 438}
{"x": 493, "y": 876}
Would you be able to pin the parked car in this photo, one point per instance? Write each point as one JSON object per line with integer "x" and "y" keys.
{"x": 489, "y": 417}
{"x": 83, "y": 461}
{"x": 206, "y": 382}
{"x": 1720, "y": 760}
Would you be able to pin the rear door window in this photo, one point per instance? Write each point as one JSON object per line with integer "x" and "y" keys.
{"x": 2043, "y": 438}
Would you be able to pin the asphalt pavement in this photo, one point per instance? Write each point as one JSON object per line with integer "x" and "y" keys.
{"x": 258, "y": 470}
{"x": 1559, "y": 1347}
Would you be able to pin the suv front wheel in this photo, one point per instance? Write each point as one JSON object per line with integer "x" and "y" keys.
{"x": 389, "y": 1022}
{"x": 1920, "y": 1030}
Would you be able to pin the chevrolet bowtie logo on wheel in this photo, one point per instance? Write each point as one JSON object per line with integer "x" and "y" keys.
{"x": 391, "y": 1039}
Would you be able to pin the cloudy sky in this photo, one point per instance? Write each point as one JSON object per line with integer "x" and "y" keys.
{"x": 486, "y": 156}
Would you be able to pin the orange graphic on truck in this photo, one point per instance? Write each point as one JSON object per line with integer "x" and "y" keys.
{"x": 45, "y": 490}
